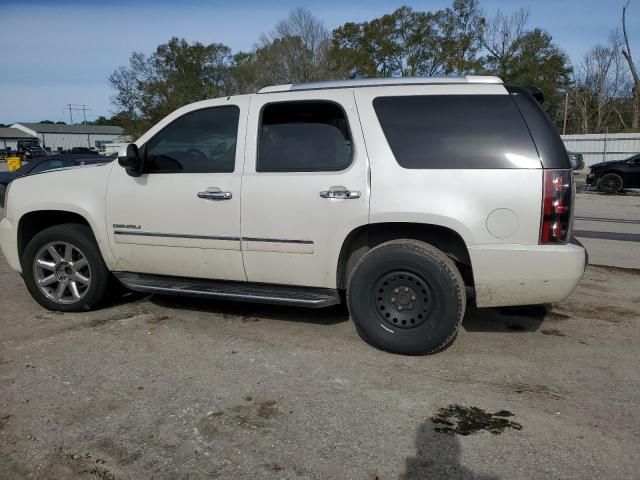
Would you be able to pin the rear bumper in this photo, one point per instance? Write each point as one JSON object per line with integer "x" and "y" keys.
{"x": 526, "y": 274}
{"x": 9, "y": 244}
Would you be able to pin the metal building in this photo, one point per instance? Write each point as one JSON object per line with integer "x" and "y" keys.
{"x": 601, "y": 147}
{"x": 54, "y": 137}
{"x": 9, "y": 138}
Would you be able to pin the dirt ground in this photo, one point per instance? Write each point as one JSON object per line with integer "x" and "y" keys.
{"x": 169, "y": 388}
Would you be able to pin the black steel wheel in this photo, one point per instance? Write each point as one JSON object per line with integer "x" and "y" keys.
{"x": 610, "y": 183}
{"x": 406, "y": 296}
{"x": 402, "y": 298}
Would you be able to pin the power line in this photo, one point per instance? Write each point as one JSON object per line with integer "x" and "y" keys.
{"x": 73, "y": 107}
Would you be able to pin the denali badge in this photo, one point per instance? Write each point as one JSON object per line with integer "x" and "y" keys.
{"x": 119, "y": 225}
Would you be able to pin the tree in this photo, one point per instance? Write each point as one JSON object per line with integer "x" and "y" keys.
{"x": 502, "y": 38}
{"x": 410, "y": 43}
{"x": 600, "y": 85}
{"x": 176, "y": 74}
{"x": 295, "y": 51}
{"x": 402, "y": 43}
{"x": 626, "y": 51}
{"x": 527, "y": 57}
{"x": 46, "y": 122}
{"x": 461, "y": 28}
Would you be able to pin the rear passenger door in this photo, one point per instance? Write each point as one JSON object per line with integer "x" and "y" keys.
{"x": 305, "y": 186}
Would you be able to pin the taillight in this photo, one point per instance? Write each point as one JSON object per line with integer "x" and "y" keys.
{"x": 557, "y": 203}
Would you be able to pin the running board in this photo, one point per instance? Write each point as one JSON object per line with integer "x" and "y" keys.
{"x": 227, "y": 290}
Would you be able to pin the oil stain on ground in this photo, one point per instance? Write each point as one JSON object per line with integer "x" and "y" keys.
{"x": 468, "y": 420}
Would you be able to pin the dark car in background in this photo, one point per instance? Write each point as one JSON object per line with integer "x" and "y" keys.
{"x": 30, "y": 149}
{"x": 577, "y": 160}
{"x": 612, "y": 177}
{"x": 42, "y": 164}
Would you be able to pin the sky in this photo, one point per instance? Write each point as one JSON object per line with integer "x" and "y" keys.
{"x": 53, "y": 53}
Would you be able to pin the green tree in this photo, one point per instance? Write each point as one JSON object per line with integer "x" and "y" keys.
{"x": 176, "y": 74}
{"x": 527, "y": 57}
{"x": 410, "y": 43}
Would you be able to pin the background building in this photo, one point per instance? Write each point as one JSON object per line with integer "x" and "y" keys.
{"x": 54, "y": 137}
{"x": 9, "y": 138}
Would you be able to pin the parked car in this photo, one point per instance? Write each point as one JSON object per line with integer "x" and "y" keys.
{"x": 612, "y": 177}
{"x": 409, "y": 195}
{"x": 577, "y": 160}
{"x": 82, "y": 150}
{"x": 42, "y": 164}
{"x": 29, "y": 149}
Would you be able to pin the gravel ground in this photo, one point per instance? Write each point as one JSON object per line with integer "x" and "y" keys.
{"x": 167, "y": 388}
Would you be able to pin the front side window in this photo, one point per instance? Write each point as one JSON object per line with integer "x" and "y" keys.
{"x": 202, "y": 141}
{"x": 304, "y": 136}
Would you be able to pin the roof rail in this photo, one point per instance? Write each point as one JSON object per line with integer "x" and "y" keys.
{"x": 378, "y": 82}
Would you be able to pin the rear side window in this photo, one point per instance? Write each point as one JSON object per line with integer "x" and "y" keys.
{"x": 306, "y": 136}
{"x": 456, "y": 131}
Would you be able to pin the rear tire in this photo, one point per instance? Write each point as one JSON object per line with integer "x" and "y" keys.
{"x": 610, "y": 183}
{"x": 406, "y": 297}
{"x": 63, "y": 269}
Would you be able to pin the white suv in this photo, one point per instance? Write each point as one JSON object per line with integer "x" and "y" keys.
{"x": 413, "y": 195}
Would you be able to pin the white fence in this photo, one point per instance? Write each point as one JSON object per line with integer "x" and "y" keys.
{"x": 602, "y": 147}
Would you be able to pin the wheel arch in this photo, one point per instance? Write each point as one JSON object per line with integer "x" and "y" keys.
{"x": 363, "y": 238}
{"x": 33, "y": 222}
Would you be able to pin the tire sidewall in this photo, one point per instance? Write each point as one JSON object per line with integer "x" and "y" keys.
{"x": 610, "y": 190}
{"x": 447, "y": 300}
{"x": 81, "y": 237}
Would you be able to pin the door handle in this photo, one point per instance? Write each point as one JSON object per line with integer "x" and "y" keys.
{"x": 340, "y": 194}
{"x": 215, "y": 195}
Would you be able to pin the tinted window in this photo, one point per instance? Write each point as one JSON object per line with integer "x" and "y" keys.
{"x": 303, "y": 137}
{"x": 456, "y": 131}
{"x": 50, "y": 165}
{"x": 198, "y": 142}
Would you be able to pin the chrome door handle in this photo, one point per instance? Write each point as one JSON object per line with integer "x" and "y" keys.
{"x": 215, "y": 195}
{"x": 340, "y": 194}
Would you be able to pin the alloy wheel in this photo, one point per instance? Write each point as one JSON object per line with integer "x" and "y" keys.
{"x": 61, "y": 272}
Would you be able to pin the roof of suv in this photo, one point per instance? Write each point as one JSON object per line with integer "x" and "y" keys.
{"x": 378, "y": 82}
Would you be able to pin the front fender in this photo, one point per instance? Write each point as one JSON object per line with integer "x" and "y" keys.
{"x": 81, "y": 191}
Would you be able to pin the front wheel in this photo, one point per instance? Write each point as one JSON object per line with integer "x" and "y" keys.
{"x": 64, "y": 270}
{"x": 406, "y": 297}
{"x": 610, "y": 183}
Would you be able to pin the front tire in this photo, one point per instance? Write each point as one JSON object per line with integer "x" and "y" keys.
{"x": 64, "y": 270}
{"x": 610, "y": 183}
{"x": 406, "y": 297}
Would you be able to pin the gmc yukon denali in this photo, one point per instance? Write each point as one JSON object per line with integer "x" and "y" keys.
{"x": 406, "y": 198}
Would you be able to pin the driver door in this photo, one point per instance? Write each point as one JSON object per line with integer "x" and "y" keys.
{"x": 181, "y": 217}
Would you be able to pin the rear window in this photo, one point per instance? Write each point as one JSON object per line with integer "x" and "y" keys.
{"x": 456, "y": 131}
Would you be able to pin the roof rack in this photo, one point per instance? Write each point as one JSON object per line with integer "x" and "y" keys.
{"x": 378, "y": 82}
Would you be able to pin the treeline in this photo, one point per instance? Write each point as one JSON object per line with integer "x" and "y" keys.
{"x": 601, "y": 93}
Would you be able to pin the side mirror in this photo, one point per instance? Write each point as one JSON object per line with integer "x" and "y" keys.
{"x": 132, "y": 162}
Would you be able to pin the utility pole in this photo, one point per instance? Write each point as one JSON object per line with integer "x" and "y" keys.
{"x": 70, "y": 112}
{"x": 80, "y": 108}
{"x": 566, "y": 109}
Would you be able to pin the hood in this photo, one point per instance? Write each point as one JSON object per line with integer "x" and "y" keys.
{"x": 608, "y": 164}
{"x": 6, "y": 177}
{"x": 62, "y": 169}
